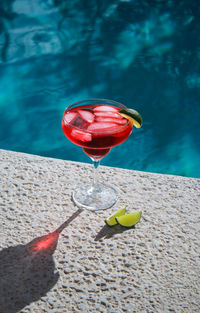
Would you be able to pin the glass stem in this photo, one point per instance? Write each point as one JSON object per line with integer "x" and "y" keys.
{"x": 95, "y": 173}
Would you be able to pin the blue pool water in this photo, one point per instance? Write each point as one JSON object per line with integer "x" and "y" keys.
{"x": 145, "y": 54}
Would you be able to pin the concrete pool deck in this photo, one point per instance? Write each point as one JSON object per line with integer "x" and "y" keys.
{"x": 89, "y": 267}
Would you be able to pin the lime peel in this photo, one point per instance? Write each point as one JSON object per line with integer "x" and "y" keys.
{"x": 130, "y": 219}
{"x": 133, "y": 116}
{"x": 111, "y": 221}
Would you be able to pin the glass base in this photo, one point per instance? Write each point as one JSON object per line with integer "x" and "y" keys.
{"x": 93, "y": 198}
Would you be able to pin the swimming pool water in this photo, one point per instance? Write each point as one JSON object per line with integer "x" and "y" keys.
{"x": 145, "y": 54}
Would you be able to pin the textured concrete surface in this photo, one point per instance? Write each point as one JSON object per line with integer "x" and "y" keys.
{"x": 88, "y": 267}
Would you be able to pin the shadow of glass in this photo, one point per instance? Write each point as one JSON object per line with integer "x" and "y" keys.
{"x": 27, "y": 272}
{"x": 107, "y": 232}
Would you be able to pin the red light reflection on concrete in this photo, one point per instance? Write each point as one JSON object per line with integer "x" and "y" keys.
{"x": 46, "y": 242}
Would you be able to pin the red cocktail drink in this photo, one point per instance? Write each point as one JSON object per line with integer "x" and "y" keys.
{"x": 96, "y": 128}
{"x": 96, "y": 125}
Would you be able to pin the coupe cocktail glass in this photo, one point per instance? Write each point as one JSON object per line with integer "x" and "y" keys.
{"x": 96, "y": 126}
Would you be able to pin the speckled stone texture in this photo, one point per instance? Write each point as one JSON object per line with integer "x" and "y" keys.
{"x": 89, "y": 267}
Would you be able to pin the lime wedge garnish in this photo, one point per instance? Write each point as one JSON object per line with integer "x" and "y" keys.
{"x": 111, "y": 221}
{"x": 130, "y": 219}
{"x": 133, "y": 116}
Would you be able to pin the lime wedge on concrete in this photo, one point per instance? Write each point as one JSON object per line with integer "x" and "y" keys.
{"x": 130, "y": 219}
{"x": 111, "y": 221}
{"x": 133, "y": 116}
